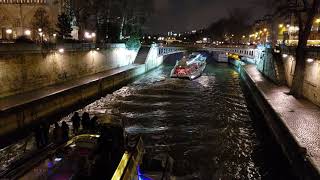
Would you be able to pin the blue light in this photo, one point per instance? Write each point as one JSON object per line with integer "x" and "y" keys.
{"x": 141, "y": 176}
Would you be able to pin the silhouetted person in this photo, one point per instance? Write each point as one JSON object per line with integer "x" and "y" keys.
{"x": 45, "y": 133}
{"x": 57, "y": 133}
{"x": 65, "y": 131}
{"x": 38, "y": 136}
{"x": 85, "y": 121}
{"x": 93, "y": 122}
{"x": 75, "y": 122}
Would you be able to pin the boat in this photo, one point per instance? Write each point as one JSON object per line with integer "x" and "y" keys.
{"x": 189, "y": 67}
{"x": 106, "y": 155}
{"x": 221, "y": 57}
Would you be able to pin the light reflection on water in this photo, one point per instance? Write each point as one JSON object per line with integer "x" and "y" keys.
{"x": 203, "y": 124}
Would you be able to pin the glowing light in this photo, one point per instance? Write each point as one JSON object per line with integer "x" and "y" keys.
{"x": 9, "y": 31}
{"x": 318, "y": 20}
{"x": 98, "y": 49}
{"x": 39, "y": 29}
{"x": 265, "y": 29}
{"x": 61, "y": 50}
{"x": 54, "y": 35}
{"x": 57, "y": 159}
{"x": 284, "y": 55}
{"x": 243, "y": 36}
{"x": 41, "y": 33}
{"x": 93, "y": 34}
{"x": 27, "y": 32}
{"x": 310, "y": 60}
{"x": 280, "y": 25}
{"x": 87, "y": 35}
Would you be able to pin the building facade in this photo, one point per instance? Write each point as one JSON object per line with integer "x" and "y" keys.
{"x": 17, "y": 17}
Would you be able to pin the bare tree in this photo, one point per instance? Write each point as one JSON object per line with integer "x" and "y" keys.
{"x": 304, "y": 12}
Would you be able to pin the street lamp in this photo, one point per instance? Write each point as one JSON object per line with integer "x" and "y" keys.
{"x": 9, "y": 31}
{"x": 27, "y": 32}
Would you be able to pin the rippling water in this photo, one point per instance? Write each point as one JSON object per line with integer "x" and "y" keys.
{"x": 205, "y": 124}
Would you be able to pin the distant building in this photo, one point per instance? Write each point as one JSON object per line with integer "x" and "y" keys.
{"x": 17, "y": 16}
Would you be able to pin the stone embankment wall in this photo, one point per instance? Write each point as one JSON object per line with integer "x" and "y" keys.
{"x": 21, "y": 72}
{"x": 311, "y": 85}
{"x": 20, "y": 116}
{"x": 270, "y": 65}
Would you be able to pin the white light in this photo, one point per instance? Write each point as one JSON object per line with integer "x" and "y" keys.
{"x": 54, "y": 35}
{"x": 57, "y": 159}
{"x": 284, "y": 55}
{"x": 61, "y": 50}
{"x": 205, "y": 39}
{"x": 98, "y": 49}
{"x": 40, "y": 33}
{"x": 310, "y": 60}
{"x": 93, "y": 34}
{"x": 27, "y": 32}
{"x": 87, "y": 35}
{"x": 9, "y": 31}
{"x": 39, "y": 29}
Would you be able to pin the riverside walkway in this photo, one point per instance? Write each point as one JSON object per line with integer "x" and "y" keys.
{"x": 299, "y": 117}
{"x": 24, "y": 98}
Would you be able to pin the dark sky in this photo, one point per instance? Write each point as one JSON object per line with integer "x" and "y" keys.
{"x": 186, "y": 15}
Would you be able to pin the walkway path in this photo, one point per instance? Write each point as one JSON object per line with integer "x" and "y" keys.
{"x": 301, "y": 117}
{"x": 24, "y": 98}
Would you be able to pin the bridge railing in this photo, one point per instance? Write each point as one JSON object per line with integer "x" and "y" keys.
{"x": 169, "y": 50}
{"x": 249, "y": 52}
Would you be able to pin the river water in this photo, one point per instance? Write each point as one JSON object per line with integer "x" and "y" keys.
{"x": 205, "y": 125}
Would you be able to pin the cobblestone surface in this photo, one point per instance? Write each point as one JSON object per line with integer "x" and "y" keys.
{"x": 300, "y": 116}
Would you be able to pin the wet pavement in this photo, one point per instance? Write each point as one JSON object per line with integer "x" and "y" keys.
{"x": 205, "y": 124}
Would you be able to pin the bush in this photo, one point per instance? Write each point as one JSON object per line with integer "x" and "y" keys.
{"x": 133, "y": 43}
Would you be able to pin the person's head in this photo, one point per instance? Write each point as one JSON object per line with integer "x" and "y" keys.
{"x": 95, "y": 118}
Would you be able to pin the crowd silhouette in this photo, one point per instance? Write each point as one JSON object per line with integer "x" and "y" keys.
{"x": 61, "y": 134}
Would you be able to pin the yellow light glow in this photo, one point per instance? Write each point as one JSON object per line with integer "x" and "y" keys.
{"x": 265, "y": 29}
{"x": 280, "y": 25}
{"x": 318, "y": 20}
{"x": 27, "y": 32}
{"x": 9, "y": 31}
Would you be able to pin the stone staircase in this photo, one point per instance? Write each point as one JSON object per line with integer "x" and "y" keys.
{"x": 142, "y": 55}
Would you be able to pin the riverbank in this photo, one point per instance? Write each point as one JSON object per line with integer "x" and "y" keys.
{"x": 294, "y": 123}
{"x": 19, "y": 112}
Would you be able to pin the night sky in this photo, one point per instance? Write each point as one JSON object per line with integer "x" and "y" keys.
{"x": 186, "y": 15}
